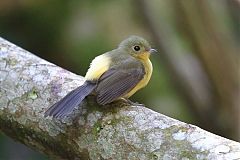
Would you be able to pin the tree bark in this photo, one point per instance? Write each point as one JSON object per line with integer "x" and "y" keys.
{"x": 29, "y": 85}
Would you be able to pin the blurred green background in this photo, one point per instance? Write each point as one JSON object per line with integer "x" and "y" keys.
{"x": 196, "y": 72}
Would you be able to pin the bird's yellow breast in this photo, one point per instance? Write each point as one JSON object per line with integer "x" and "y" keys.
{"x": 148, "y": 73}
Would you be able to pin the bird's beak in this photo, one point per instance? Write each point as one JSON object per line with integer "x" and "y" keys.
{"x": 153, "y": 50}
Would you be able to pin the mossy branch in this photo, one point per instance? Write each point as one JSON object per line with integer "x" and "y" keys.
{"x": 29, "y": 85}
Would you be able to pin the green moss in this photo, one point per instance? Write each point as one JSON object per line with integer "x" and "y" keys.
{"x": 183, "y": 129}
{"x": 97, "y": 128}
{"x": 33, "y": 94}
{"x": 191, "y": 154}
{"x": 113, "y": 121}
{"x": 11, "y": 61}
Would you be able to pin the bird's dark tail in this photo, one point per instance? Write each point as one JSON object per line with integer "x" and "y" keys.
{"x": 67, "y": 104}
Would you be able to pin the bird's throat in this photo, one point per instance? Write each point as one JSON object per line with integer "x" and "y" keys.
{"x": 143, "y": 56}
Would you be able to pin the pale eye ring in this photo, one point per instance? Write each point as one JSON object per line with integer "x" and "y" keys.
{"x": 136, "y": 48}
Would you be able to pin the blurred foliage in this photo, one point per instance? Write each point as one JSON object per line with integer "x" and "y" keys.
{"x": 71, "y": 33}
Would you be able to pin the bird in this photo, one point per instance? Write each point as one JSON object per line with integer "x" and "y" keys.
{"x": 113, "y": 75}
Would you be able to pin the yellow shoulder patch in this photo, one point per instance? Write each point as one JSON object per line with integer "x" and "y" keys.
{"x": 98, "y": 66}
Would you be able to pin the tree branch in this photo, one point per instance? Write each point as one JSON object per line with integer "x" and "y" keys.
{"x": 29, "y": 85}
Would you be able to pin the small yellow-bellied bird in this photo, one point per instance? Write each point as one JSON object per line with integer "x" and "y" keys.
{"x": 113, "y": 75}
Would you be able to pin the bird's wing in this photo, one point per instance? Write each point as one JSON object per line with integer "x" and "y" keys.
{"x": 115, "y": 83}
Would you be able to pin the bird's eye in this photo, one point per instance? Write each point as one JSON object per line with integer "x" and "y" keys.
{"x": 136, "y": 48}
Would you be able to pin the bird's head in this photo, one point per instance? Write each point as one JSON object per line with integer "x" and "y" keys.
{"x": 137, "y": 47}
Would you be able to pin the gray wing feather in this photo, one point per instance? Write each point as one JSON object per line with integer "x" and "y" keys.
{"x": 115, "y": 83}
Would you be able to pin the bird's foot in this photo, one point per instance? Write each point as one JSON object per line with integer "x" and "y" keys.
{"x": 129, "y": 102}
